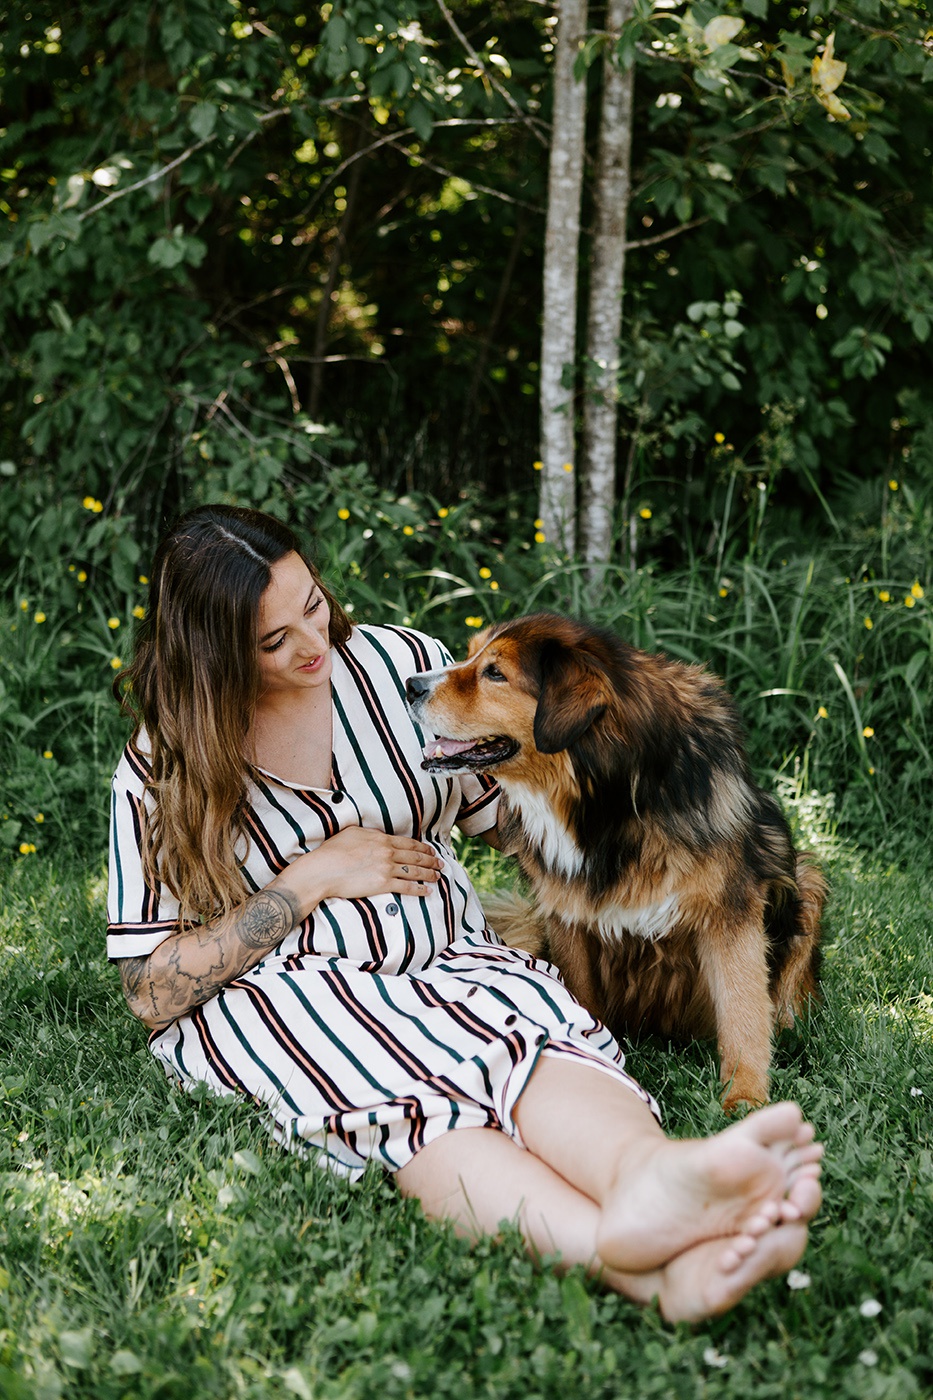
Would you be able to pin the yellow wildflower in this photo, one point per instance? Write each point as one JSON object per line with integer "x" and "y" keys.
{"x": 539, "y": 466}
{"x": 892, "y": 485}
{"x": 868, "y": 623}
{"x": 82, "y": 577}
{"x": 39, "y": 617}
{"x": 47, "y": 753}
{"x": 645, "y": 513}
{"x": 493, "y": 585}
{"x": 916, "y": 591}
{"x": 443, "y": 513}
{"x": 568, "y": 466}
{"x": 723, "y": 592}
{"x": 139, "y": 611}
{"x": 143, "y": 578}
{"x": 868, "y": 732}
{"x": 485, "y": 573}
{"x": 910, "y": 602}
{"x": 540, "y": 537}
{"x": 113, "y": 623}
{"x": 473, "y": 621}
{"x": 115, "y": 663}
{"x": 884, "y": 596}
{"x": 24, "y": 604}
{"x": 343, "y": 513}
{"x": 40, "y": 817}
{"x": 26, "y": 848}
{"x": 91, "y": 504}
{"x": 719, "y": 437}
{"x": 408, "y": 530}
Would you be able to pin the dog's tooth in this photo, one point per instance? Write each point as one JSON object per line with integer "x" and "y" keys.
{"x": 438, "y": 752}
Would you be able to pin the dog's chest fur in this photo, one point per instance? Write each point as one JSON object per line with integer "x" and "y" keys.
{"x": 551, "y": 855}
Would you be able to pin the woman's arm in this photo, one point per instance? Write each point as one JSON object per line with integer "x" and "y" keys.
{"x": 191, "y": 966}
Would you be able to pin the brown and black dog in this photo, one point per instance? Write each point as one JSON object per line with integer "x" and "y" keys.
{"x": 665, "y": 877}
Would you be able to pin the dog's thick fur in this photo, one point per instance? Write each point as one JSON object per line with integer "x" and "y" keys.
{"x": 664, "y": 876}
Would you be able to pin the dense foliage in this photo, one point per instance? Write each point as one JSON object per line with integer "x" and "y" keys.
{"x": 229, "y": 226}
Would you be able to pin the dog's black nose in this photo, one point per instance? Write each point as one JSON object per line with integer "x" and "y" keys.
{"x": 415, "y": 688}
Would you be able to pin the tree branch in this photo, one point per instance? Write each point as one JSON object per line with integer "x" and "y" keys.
{"x": 172, "y": 165}
{"x": 491, "y": 77}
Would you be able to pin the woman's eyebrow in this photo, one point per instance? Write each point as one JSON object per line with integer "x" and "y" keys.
{"x": 265, "y": 637}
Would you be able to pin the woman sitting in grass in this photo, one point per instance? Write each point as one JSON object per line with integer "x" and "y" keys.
{"x": 292, "y": 925}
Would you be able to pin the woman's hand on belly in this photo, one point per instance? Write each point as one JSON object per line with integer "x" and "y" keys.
{"x": 193, "y": 965}
{"x": 357, "y": 863}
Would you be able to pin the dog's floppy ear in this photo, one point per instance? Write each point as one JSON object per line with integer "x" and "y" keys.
{"x": 574, "y": 693}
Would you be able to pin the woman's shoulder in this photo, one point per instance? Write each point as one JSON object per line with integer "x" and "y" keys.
{"x": 404, "y": 648}
{"x": 135, "y": 766}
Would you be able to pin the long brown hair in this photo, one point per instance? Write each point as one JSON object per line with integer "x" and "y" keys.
{"x": 193, "y": 686}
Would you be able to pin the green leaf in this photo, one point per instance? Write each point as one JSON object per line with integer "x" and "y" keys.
{"x": 203, "y": 120}
{"x": 167, "y": 252}
{"x": 77, "y": 1348}
{"x": 419, "y": 117}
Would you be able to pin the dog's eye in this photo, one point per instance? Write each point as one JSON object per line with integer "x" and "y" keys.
{"x": 492, "y": 672}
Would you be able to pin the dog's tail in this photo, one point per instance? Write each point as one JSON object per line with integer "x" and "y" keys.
{"x": 799, "y": 977}
{"x": 516, "y": 920}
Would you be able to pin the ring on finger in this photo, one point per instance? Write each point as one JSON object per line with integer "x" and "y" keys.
{"x": 405, "y": 869}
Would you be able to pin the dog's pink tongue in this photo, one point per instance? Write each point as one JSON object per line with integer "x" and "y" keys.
{"x": 447, "y": 748}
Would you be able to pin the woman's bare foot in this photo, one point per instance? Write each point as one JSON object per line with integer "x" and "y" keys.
{"x": 710, "y": 1278}
{"x": 703, "y": 1282}
{"x": 744, "y": 1181}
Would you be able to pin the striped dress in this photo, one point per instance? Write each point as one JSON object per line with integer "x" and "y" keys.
{"x": 379, "y": 1023}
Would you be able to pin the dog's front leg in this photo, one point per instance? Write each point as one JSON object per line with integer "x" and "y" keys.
{"x": 734, "y": 964}
{"x": 576, "y": 954}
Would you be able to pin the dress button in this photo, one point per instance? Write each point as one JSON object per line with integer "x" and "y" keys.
{"x": 472, "y": 992}
{"x": 540, "y": 1039}
{"x": 510, "y": 1020}
{"x": 391, "y": 908}
{"x": 336, "y": 797}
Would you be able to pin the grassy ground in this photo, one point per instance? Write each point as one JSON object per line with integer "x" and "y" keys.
{"x": 154, "y": 1246}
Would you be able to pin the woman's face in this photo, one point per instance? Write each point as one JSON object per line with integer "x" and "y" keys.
{"x": 294, "y": 641}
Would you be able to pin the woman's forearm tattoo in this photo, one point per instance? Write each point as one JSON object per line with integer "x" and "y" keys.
{"x": 266, "y": 918}
{"x": 194, "y": 966}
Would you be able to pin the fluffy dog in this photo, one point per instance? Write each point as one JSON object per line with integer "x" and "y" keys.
{"x": 665, "y": 877}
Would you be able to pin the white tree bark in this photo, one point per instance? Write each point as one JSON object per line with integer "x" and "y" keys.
{"x": 561, "y": 254}
{"x": 604, "y": 317}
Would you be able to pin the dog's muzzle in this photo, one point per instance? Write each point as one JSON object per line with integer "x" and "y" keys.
{"x": 452, "y": 756}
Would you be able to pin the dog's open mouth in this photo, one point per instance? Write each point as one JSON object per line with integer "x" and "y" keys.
{"x": 467, "y": 755}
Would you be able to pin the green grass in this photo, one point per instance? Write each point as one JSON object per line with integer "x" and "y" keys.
{"x": 156, "y": 1246}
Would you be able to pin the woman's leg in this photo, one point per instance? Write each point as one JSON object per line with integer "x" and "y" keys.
{"x": 657, "y": 1196}
{"x": 478, "y": 1177}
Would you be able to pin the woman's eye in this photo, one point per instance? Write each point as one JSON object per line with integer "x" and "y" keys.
{"x": 275, "y": 645}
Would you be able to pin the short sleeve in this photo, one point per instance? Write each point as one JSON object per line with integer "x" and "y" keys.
{"x": 479, "y": 808}
{"x": 139, "y": 917}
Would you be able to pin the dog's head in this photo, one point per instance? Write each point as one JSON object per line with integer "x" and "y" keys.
{"x": 536, "y": 685}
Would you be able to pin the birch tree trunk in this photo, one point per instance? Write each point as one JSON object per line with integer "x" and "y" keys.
{"x": 607, "y": 279}
{"x": 561, "y": 254}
